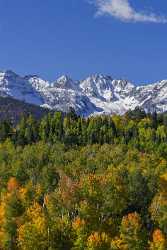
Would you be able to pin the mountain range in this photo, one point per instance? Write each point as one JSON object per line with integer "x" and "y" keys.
{"x": 97, "y": 94}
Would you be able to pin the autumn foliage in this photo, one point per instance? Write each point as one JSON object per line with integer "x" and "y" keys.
{"x": 69, "y": 183}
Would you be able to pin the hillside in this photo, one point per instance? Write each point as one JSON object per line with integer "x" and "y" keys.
{"x": 93, "y": 184}
{"x": 12, "y": 109}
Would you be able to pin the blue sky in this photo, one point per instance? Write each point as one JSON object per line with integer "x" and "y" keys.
{"x": 56, "y": 37}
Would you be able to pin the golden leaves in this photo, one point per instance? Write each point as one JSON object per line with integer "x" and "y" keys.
{"x": 12, "y": 184}
{"x": 78, "y": 223}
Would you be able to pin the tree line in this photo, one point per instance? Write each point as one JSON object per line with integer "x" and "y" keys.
{"x": 134, "y": 127}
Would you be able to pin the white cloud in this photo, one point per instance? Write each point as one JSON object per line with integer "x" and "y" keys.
{"x": 123, "y": 10}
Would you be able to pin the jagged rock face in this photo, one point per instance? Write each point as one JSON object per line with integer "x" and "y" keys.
{"x": 97, "y": 94}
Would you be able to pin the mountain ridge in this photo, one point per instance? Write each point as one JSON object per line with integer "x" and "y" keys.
{"x": 94, "y": 95}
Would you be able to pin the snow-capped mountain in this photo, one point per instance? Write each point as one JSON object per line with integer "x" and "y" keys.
{"x": 18, "y": 87}
{"x": 97, "y": 94}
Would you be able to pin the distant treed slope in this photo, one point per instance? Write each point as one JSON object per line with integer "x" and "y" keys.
{"x": 13, "y": 110}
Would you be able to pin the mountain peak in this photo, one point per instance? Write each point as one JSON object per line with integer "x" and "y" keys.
{"x": 64, "y": 78}
{"x": 97, "y": 77}
{"x": 65, "y": 82}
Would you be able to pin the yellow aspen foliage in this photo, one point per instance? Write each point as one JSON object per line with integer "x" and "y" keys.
{"x": 2, "y": 211}
{"x": 46, "y": 199}
{"x": 2, "y": 220}
{"x": 30, "y": 238}
{"x": 80, "y": 232}
{"x": 22, "y": 193}
{"x": 132, "y": 232}
{"x": 117, "y": 244}
{"x": 34, "y": 232}
{"x": 158, "y": 241}
{"x": 131, "y": 220}
{"x": 163, "y": 182}
{"x": 97, "y": 241}
{"x": 158, "y": 208}
{"x": 35, "y": 214}
{"x": 78, "y": 224}
{"x": 12, "y": 184}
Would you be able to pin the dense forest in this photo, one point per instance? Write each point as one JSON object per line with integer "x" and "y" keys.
{"x": 71, "y": 183}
